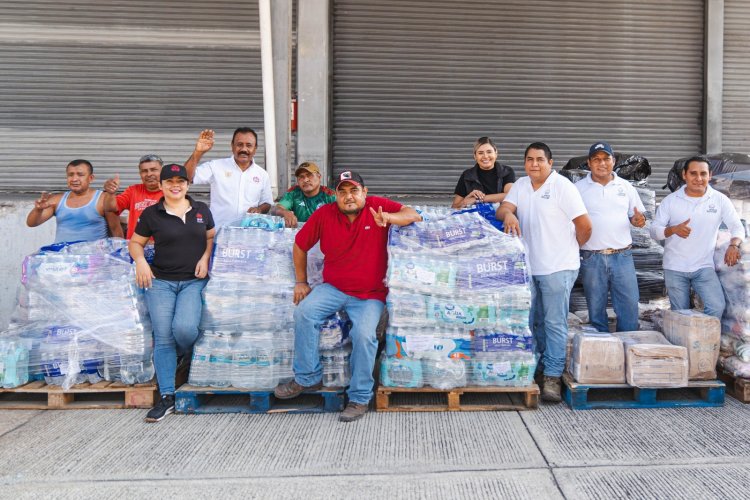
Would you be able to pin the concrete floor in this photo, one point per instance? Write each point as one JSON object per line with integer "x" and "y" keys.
{"x": 551, "y": 452}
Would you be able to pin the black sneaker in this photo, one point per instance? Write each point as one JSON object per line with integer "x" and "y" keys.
{"x": 164, "y": 407}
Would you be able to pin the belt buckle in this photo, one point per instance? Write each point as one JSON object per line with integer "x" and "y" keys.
{"x": 608, "y": 251}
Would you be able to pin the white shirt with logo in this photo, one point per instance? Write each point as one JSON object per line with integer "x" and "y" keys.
{"x": 610, "y": 208}
{"x": 706, "y": 213}
{"x": 546, "y": 218}
{"x": 233, "y": 191}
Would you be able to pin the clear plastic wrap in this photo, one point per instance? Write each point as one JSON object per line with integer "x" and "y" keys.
{"x": 248, "y": 312}
{"x": 79, "y": 318}
{"x": 735, "y": 280}
{"x": 458, "y": 305}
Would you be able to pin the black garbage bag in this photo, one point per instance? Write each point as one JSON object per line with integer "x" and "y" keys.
{"x": 721, "y": 164}
{"x": 628, "y": 166}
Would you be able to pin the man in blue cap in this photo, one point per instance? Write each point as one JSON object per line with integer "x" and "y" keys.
{"x": 607, "y": 265}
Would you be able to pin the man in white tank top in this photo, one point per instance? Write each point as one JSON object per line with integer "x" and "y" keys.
{"x": 79, "y": 212}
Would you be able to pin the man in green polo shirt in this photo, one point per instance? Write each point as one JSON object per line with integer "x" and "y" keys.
{"x": 298, "y": 204}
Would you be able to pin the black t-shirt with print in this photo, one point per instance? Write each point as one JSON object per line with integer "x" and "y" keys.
{"x": 178, "y": 245}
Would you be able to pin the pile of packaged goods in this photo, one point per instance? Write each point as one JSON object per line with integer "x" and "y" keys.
{"x": 687, "y": 350}
{"x": 248, "y": 312}
{"x": 80, "y": 318}
{"x": 458, "y": 306}
{"x": 735, "y": 324}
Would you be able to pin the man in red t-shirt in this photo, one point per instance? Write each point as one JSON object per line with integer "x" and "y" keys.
{"x": 353, "y": 235}
{"x": 138, "y": 197}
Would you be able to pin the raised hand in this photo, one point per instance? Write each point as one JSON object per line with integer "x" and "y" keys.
{"x": 43, "y": 203}
{"x": 638, "y": 219}
{"x": 112, "y": 185}
{"x": 381, "y": 218}
{"x": 682, "y": 230}
{"x": 205, "y": 141}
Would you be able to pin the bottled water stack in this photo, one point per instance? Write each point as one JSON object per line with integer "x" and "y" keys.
{"x": 458, "y": 306}
{"x": 79, "y": 318}
{"x": 248, "y": 312}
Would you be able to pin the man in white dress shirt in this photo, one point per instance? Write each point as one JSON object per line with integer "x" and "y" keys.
{"x": 238, "y": 184}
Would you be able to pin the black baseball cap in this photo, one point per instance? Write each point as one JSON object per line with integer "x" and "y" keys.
{"x": 173, "y": 170}
{"x": 350, "y": 176}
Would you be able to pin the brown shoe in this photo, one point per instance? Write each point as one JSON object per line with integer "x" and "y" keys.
{"x": 352, "y": 412}
{"x": 292, "y": 389}
{"x": 551, "y": 390}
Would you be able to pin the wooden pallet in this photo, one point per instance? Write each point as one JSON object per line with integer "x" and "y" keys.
{"x": 698, "y": 393}
{"x": 194, "y": 399}
{"x": 738, "y": 388}
{"x": 102, "y": 395}
{"x": 430, "y": 399}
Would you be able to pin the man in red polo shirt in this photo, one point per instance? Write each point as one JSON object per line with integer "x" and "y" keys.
{"x": 353, "y": 235}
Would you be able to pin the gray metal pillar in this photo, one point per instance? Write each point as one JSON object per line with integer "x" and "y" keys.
{"x": 281, "y": 33}
{"x": 314, "y": 84}
{"x": 714, "y": 76}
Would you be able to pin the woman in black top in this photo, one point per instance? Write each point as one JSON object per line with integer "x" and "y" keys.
{"x": 183, "y": 232}
{"x": 487, "y": 181}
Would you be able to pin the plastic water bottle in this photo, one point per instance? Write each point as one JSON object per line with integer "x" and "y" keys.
{"x": 54, "y": 361}
{"x": 242, "y": 375}
{"x": 199, "y": 366}
{"x": 262, "y": 366}
{"x": 220, "y": 361}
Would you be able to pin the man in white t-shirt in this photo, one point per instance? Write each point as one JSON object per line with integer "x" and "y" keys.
{"x": 606, "y": 259}
{"x": 688, "y": 220}
{"x": 555, "y": 224}
{"x": 238, "y": 184}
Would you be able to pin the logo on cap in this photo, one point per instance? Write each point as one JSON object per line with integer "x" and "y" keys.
{"x": 599, "y": 146}
{"x": 175, "y": 168}
{"x": 345, "y": 176}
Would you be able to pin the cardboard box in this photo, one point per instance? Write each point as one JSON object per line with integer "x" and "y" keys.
{"x": 652, "y": 362}
{"x": 597, "y": 358}
{"x": 701, "y": 335}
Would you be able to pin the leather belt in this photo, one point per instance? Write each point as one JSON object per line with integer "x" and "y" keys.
{"x": 610, "y": 251}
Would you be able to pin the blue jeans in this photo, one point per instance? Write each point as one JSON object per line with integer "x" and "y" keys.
{"x": 706, "y": 284}
{"x": 550, "y": 300}
{"x": 323, "y": 301}
{"x": 175, "y": 308}
{"x": 613, "y": 274}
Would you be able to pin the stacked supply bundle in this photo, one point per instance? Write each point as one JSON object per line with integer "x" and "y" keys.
{"x": 735, "y": 323}
{"x": 248, "y": 312}
{"x": 80, "y": 317}
{"x": 698, "y": 333}
{"x": 651, "y": 361}
{"x": 459, "y": 306}
{"x": 247, "y": 322}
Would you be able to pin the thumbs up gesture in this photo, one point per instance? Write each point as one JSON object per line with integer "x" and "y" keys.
{"x": 112, "y": 185}
{"x": 682, "y": 230}
{"x": 638, "y": 219}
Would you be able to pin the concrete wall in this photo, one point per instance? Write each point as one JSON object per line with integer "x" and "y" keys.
{"x": 19, "y": 241}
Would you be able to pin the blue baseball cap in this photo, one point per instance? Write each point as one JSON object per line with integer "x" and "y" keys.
{"x": 600, "y": 146}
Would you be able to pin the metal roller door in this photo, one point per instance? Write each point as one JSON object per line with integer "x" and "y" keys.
{"x": 736, "y": 106}
{"x": 112, "y": 80}
{"x": 416, "y": 82}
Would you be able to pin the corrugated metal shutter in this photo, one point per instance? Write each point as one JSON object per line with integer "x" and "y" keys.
{"x": 111, "y": 80}
{"x": 416, "y": 82}
{"x": 736, "y": 107}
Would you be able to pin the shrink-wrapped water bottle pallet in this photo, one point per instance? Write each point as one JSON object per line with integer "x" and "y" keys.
{"x": 102, "y": 395}
{"x": 698, "y": 393}
{"x": 737, "y": 387}
{"x": 405, "y": 399}
{"x": 203, "y": 400}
